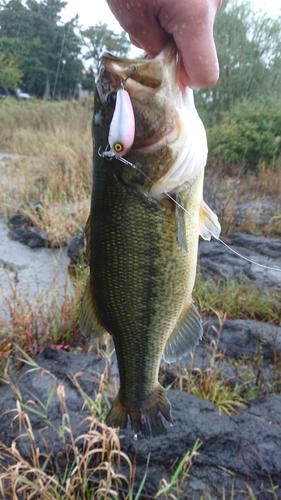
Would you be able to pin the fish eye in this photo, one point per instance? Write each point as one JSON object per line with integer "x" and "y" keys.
{"x": 111, "y": 99}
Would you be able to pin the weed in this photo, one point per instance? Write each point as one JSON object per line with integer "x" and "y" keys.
{"x": 177, "y": 485}
{"x": 237, "y": 299}
{"x": 51, "y": 319}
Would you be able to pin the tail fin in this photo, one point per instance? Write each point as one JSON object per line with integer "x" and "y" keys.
{"x": 145, "y": 419}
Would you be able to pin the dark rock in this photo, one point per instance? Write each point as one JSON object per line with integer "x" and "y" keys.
{"x": 260, "y": 211}
{"x": 218, "y": 261}
{"x": 244, "y": 338}
{"x": 18, "y": 220}
{"x": 236, "y": 452}
{"x": 58, "y": 368}
{"x": 271, "y": 247}
{"x": 76, "y": 249}
{"x": 31, "y": 237}
{"x": 237, "y": 339}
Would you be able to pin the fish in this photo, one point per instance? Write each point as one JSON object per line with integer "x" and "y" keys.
{"x": 147, "y": 212}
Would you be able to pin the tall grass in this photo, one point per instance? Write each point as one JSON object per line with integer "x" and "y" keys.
{"x": 55, "y": 166}
{"x": 56, "y": 140}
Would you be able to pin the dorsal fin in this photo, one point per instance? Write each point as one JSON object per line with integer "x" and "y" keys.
{"x": 185, "y": 336}
{"x": 208, "y": 222}
{"x": 89, "y": 322}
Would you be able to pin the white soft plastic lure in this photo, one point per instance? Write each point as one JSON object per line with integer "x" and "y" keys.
{"x": 122, "y": 127}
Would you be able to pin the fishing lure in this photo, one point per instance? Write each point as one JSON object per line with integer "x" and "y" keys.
{"x": 122, "y": 128}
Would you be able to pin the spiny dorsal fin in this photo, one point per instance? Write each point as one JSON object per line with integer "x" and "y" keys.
{"x": 89, "y": 323}
{"x": 180, "y": 227}
{"x": 185, "y": 336}
{"x": 208, "y": 222}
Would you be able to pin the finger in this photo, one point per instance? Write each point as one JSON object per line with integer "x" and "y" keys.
{"x": 191, "y": 25}
{"x": 154, "y": 43}
{"x": 139, "y": 21}
{"x": 200, "y": 67}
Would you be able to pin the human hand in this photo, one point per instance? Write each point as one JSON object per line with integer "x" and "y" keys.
{"x": 151, "y": 23}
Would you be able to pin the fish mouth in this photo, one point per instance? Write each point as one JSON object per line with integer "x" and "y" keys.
{"x": 147, "y": 72}
{"x": 151, "y": 81}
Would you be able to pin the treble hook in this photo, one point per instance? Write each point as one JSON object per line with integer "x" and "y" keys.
{"x": 134, "y": 71}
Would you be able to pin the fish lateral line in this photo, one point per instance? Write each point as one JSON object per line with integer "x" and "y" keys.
{"x": 109, "y": 155}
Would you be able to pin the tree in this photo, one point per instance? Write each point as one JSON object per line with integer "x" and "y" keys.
{"x": 249, "y": 49}
{"x": 99, "y": 38}
{"x": 48, "y": 50}
{"x": 10, "y": 74}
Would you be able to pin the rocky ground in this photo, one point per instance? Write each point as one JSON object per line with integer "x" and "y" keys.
{"x": 236, "y": 453}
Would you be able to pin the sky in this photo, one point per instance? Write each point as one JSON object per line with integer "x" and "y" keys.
{"x": 93, "y": 11}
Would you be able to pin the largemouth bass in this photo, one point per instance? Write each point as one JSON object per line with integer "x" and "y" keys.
{"x": 142, "y": 234}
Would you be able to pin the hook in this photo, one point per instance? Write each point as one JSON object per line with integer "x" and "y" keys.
{"x": 134, "y": 71}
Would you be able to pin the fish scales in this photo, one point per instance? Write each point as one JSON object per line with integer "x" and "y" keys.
{"x": 142, "y": 253}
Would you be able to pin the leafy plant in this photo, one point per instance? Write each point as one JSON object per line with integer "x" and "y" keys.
{"x": 250, "y": 132}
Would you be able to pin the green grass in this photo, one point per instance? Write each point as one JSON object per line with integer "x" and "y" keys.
{"x": 237, "y": 299}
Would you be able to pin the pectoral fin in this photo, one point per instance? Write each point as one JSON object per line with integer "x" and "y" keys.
{"x": 208, "y": 223}
{"x": 180, "y": 226}
{"x": 89, "y": 322}
{"x": 88, "y": 238}
{"x": 185, "y": 336}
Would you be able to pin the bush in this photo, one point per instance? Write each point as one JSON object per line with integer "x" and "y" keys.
{"x": 248, "y": 134}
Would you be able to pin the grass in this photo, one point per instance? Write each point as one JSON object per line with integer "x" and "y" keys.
{"x": 237, "y": 299}
{"x": 56, "y": 166}
{"x": 50, "y": 320}
{"x": 210, "y": 385}
{"x": 86, "y": 467}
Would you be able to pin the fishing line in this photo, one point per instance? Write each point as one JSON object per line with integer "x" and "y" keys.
{"x": 109, "y": 156}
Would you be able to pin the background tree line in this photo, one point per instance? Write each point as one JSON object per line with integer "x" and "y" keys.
{"x": 47, "y": 58}
{"x": 44, "y": 55}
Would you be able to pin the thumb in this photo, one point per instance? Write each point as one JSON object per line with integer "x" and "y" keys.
{"x": 191, "y": 24}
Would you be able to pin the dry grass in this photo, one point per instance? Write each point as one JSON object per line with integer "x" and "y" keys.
{"x": 88, "y": 465}
{"x": 49, "y": 320}
{"x": 56, "y": 169}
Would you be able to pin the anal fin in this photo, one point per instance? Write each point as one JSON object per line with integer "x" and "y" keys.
{"x": 185, "y": 336}
{"x": 89, "y": 322}
{"x": 208, "y": 222}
